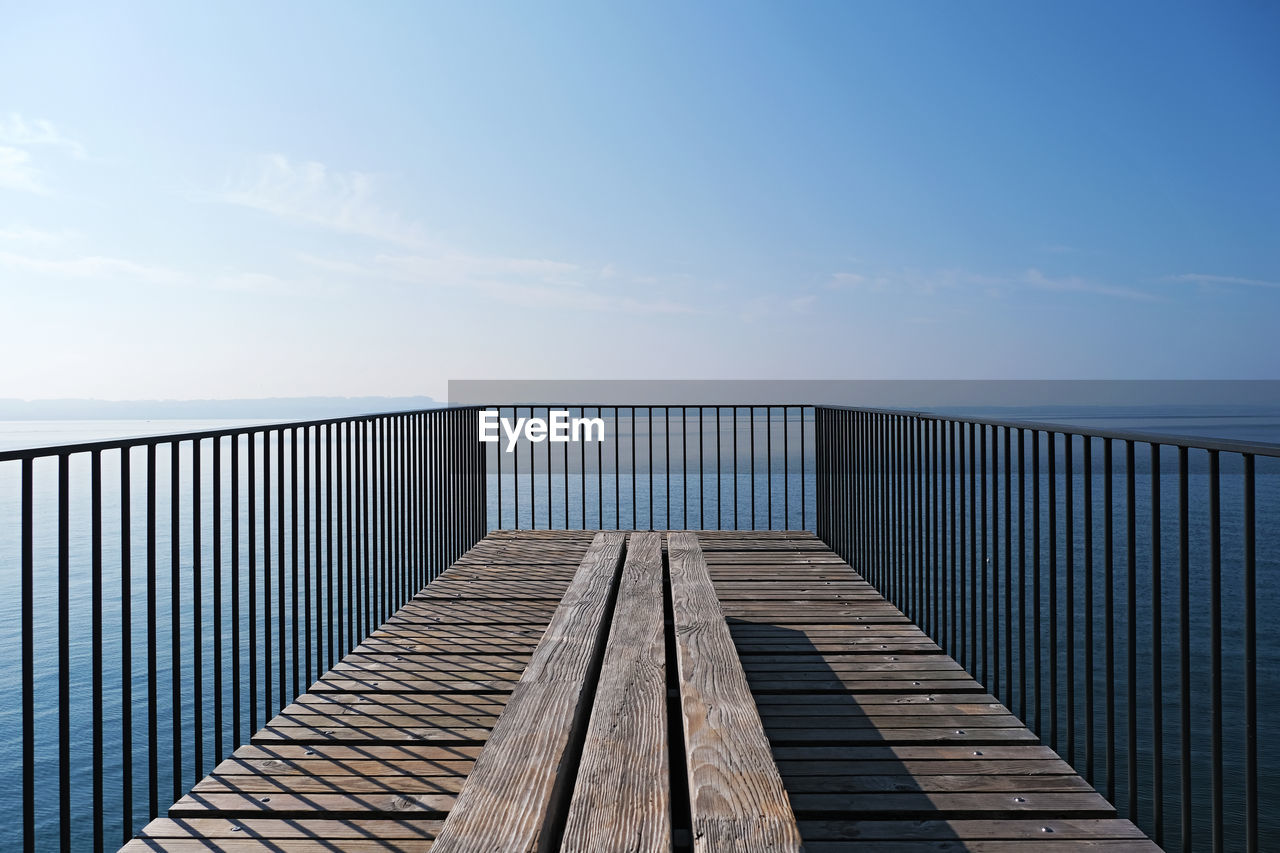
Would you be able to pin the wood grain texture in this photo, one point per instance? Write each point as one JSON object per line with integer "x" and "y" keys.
{"x": 373, "y": 755}
{"x": 737, "y": 801}
{"x": 882, "y": 741}
{"x": 521, "y": 773}
{"x": 881, "y": 737}
{"x": 622, "y": 799}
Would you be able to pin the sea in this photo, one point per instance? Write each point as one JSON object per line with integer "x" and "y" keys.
{"x": 677, "y": 497}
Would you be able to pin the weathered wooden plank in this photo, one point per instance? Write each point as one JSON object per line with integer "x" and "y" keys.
{"x": 923, "y": 804}
{"x": 1062, "y": 829}
{"x": 1046, "y": 844}
{"x": 382, "y": 778}
{"x": 737, "y": 800}
{"x": 622, "y": 797}
{"x": 863, "y": 711}
{"x": 878, "y": 733}
{"x": 521, "y": 772}
{"x": 286, "y": 845}
{"x": 284, "y": 804}
{"x": 363, "y": 783}
{"x": 305, "y": 829}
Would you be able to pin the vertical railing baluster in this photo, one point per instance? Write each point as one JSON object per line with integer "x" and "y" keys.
{"x": 219, "y": 716}
{"x": 768, "y": 465}
{"x": 985, "y": 565}
{"x": 252, "y": 516}
{"x": 64, "y": 650}
{"x": 153, "y": 723}
{"x": 600, "y": 474}
{"x": 634, "y": 470}
{"x": 333, "y": 548}
{"x": 28, "y": 661}
{"x": 1052, "y": 441}
{"x": 126, "y": 648}
{"x": 752, "y": 412}
{"x": 175, "y": 612}
{"x": 303, "y": 664}
{"x": 1250, "y": 657}
{"x": 974, "y": 568}
{"x": 95, "y": 687}
{"x": 1215, "y": 651}
{"x": 1131, "y": 631}
{"x": 804, "y": 492}
{"x": 1036, "y": 549}
{"x": 1184, "y": 654}
{"x": 1087, "y": 465}
{"x": 515, "y": 466}
{"x": 197, "y": 620}
{"x": 953, "y": 466}
{"x": 736, "y": 526}
{"x": 235, "y": 590}
{"x": 1108, "y": 612}
{"x": 550, "y": 522}
{"x": 617, "y": 468}
{"x": 565, "y": 450}
{"x": 1008, "y": 569}
{"x": 1022, "y": 575}
{"x": 786, "y": 471}
{"x": 1069, "y": 552}
{"x": 281, "y": 594}
{"x": 1157, "y": 687}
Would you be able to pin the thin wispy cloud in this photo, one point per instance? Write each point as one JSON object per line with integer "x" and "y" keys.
{"x": 524, "y": 282}
{"x": 856, "y": 281}
{"x": 1200, "y": 278}
{"x": 93, "y": 267}
{"x": 19, "y": 138}
{"x": 997, "y": 286}
{"x": 123, "y": 271}
{"x": 1075, "y": 284}
{"x": 18, "y": 171}
{"x": 772, "y": 307}
{"x": 35, "y": 133}
{"x": 31, "y": 236}
{"x": 311, "y": 193}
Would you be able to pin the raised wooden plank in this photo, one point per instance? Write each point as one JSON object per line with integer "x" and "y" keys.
{"x": 622, "y": 797}
{"x": 737, "y": 801}
{"x": 522, "y": 771}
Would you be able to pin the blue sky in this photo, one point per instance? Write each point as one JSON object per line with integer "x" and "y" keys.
{"x": 245, "y": 199}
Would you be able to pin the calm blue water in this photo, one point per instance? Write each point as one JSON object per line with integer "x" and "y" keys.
{"x": 682, "y": 497}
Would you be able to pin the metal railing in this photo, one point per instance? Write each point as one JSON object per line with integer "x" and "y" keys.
{"x": 671, "y": 467}
{"x": 177, "y": 591}
{"x": 1043, "y": 557}
{"x": 1036, "y": 555}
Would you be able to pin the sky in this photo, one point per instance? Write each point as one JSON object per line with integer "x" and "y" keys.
{"x": 232, "y": 200}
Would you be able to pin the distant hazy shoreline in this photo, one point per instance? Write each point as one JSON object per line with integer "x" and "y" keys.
{"x": 267, "y": 408}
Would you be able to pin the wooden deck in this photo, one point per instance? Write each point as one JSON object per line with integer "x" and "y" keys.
{"x": 880, "y": 741}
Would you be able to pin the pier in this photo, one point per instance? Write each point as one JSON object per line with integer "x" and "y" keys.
{"x": 522, "y": 699}
{"x": 715, "y": 627}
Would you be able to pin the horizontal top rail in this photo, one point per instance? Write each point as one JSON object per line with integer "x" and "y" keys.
{"x": 21, "y": 453}
{"x": 1255, "y": 448}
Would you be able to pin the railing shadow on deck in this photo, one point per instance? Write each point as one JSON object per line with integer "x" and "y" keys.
{"x": 848, "y": 725}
